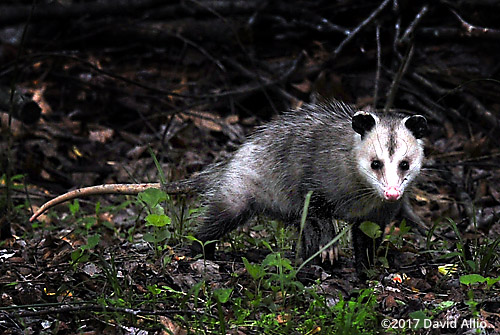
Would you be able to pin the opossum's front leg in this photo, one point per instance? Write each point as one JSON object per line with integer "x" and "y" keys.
{"x": 318, "y": 232}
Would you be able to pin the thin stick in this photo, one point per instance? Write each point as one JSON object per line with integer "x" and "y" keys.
{"x": 354, "y": 32}
{"x": 414, "y": 24}
{"x": 397, "y": 79}
{"x": 379, "y": 66}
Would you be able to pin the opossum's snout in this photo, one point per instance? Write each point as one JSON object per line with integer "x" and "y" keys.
{"x": 392, "y": 193}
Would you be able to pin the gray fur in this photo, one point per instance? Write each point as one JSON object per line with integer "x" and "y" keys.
{"x": 311, "y": 149}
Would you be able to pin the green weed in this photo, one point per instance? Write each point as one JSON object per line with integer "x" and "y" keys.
{"x": 357, "y": 315}
{"x": 479, "y": 256}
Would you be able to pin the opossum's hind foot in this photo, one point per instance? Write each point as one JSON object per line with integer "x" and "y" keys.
{"x": 317, "y": 233}
{"x": 330, "y": 255}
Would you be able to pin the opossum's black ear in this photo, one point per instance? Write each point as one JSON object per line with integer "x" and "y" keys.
{"x": 363, "y": 122}
{"x": 417, "y": 124}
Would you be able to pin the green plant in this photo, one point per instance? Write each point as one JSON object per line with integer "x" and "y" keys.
{"x": 9, "y": 211}
{"x": 78, "y": 218}
{"x": 373, "y": 231}
{"x": 151, "y": 199}
{"x": 480, "y": 256}
{"x": 221, "y": 296}
{"x": 396, "y": 237}
{"x": 472, "y": 279}
{"x": 202, "y": 244}
{"x": 357, "y": 315}
{"x": 275, "y": 273}
{"x": 82, "y": 254}
{"x": 181, "y": 215}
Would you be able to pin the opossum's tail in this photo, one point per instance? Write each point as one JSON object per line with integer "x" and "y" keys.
{"x": 183, "y": 186}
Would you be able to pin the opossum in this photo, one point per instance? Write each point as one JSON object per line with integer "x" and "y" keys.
{"x": 358, "y": 164}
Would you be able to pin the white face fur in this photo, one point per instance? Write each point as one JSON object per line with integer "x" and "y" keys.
{"x": 389, "y": 152}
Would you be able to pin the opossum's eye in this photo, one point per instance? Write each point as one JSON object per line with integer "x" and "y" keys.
{"x": 404, "y": 165}
{"x": 376, "y": 164}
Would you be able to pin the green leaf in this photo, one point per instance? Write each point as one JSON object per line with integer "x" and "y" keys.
{"x": 74, "y": 207}
{"x": 92, "y": 241}
{"x": 267, "y": 245}
{"x": 79, "y": 256}
{"x": 472, "y": 279}
{"x": 370, "y": 229}
{"x": 384, "y": 262}
{"x": 169, "y": 289}
{"x": 222, "y": 294}
{"x": 163, "y": 180}
{"x": 158, "y": 220}
{"x": 450, "y": 255}
{"x": 492, "y": 281}
{"x": 421, "y": 317}
{"x": 444, "y": 305}
{"x": 156, "y": 237}
{"x": 403, "y": 228}
{"x": 192, "y": 238}
{"x": 75, "y": 255}
{"x": 148, "y": 237}
{"x": 162, "y": 235}
{"x": 255, "y": 270}
{"x": 155, "y": 290}
{"x": 275, "y": 259}
{"x": 152, "y": 197}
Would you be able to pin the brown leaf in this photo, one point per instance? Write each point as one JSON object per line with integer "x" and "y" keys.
{"x": 171, "y": 327}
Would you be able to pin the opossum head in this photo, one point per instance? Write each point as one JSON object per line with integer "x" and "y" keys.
{"x": 389, "y": 151}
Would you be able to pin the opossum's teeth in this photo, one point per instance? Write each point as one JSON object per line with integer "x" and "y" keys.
{"x": 392, "y": 193}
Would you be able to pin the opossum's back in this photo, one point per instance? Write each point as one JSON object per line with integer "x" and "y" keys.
{"x": 274, "y": 169}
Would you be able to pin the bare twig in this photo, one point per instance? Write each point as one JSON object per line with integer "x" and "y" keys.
{"x": 379, "y": 66}
{"x": 202, "y": 50}
{"x": 397, "y": 79}
{"x": 304, "y": 17}
{"x": 414, "y": 24}
{"x": 16, "y": 14}
{"x": 267, "y": 82}
{"x": 397, "y": 32}
{"x": 431, "y": 86}
{"x": 476, "y": 31}
{"x": 93, "y": 308}
{"x": 354, "y": 32}
{"x": 485, "y": 116}
{"x": 435, "y": 111}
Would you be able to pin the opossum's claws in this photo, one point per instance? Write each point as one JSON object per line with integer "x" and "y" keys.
{"x": 331, "y": 254}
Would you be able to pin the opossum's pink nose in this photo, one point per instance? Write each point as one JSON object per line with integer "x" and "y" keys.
{"x": 392, "y": 193}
